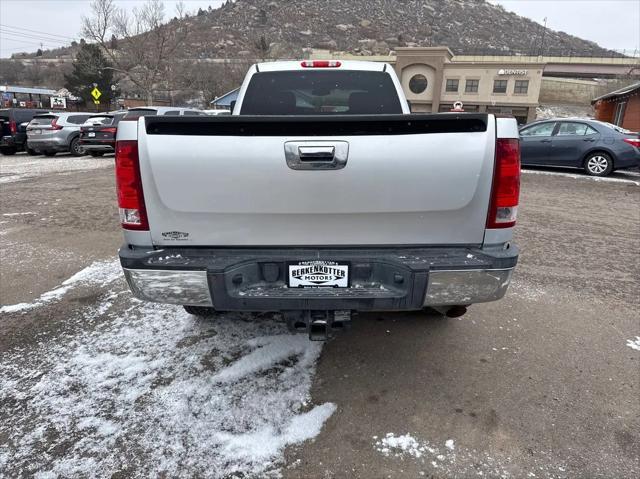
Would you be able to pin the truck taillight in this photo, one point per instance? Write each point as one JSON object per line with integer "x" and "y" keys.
{"x": 13, "y": 128}
{"x": 133, "y": 215}
{"x": 505, "y": 191}
{"x": 320, "y": 64}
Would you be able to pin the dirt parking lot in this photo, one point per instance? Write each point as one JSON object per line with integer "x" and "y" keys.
{"x": 93, "y": 383}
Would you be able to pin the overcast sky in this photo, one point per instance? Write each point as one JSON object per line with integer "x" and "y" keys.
{"x": 24, "y": 24}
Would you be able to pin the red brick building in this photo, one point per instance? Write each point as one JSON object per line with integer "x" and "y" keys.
{"x": 620, "y": 107}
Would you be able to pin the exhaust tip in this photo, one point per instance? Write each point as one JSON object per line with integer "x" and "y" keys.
{"x": 450, "y": 311}
{"x": 455, "y": 311}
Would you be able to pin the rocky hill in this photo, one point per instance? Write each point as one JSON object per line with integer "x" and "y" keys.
{"x": 289, "y": 28}
{"x": 280, "y": 28}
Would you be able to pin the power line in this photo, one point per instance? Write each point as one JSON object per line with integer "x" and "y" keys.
{"x": 32, "y": 37}
{"x": 23, "y": 42}
{"x": 37, "y": 31}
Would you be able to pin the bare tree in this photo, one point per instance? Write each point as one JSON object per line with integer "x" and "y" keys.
{"x": 211, "y": 79}
{"x": 261, "y": 47}
{"x": 11, "y": 71}
{"x": 147, "y": 46}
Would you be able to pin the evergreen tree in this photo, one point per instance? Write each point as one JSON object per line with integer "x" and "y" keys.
{"x": 91, "y": 67}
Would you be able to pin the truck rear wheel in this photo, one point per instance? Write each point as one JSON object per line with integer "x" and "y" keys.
{"x": 201, "y": 311}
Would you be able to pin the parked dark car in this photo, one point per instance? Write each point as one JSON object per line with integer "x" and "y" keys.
{"x": 13, "y": 129}
{"x": 595, "y": 146}
{"x": 98, "y": 134}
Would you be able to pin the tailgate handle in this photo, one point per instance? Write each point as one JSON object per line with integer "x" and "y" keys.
{"x": 316, "y": 155}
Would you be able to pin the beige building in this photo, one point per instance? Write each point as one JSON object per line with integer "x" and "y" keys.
{"x": 432, "y": 82}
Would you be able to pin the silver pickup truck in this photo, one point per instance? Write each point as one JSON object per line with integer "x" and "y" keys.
{"x": 321, "y": 195}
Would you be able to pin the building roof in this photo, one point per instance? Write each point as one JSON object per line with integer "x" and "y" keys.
{"x": 33, "y": 91}
{"x": 622, "y": 91}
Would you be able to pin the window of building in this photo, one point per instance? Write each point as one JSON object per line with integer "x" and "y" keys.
{"x": 618, "y": 116}
{"x": 499, "y": 86}
{"x": 471, "y": 86}
{"x": 452, "y": 85}
{"x": 418, "y": 83}
{"x": 521, "y": 87}
{"x": 520, "y": 114}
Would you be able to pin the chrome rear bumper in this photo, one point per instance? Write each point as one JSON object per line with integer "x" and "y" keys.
{"x": 380, "y": 279}
{"x": 466, "y": 287}
{"x": 171, "y": 287}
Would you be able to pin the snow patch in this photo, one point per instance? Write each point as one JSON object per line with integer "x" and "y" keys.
{"x": 634, "y": 343}
{"x": 268, "y": 352}
{"x": 99, "y": 273}
{"x": 448, "y": 460}
{"x": 146, "y": 390}
{"x": 26, "y": 213}
{"x": 398, "y": 445}
{"x": 266, "y": 443}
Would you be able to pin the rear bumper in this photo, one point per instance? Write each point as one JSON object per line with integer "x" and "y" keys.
{"x": 98, "y": 145}
{"x": 630, "y": 158}
{"x": 381, "y": 279}
{"x": 48, "y": 145}
{"x": 12, "y": 141}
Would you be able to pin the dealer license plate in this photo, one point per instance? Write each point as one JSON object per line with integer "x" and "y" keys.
{"x": 318, "y": 274}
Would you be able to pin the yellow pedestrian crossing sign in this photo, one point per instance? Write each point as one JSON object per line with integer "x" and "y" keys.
{"x": 95, "y": 93}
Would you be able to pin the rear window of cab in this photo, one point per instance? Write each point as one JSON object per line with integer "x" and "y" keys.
{"x": 321, "y": 92}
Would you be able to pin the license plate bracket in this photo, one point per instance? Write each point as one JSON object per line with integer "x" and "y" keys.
{"x": 318, "y": 274}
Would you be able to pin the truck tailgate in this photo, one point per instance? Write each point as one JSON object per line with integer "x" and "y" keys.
{"x": 413, "y": 180}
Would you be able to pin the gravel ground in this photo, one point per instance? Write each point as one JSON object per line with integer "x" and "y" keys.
{"x": 93, "y": 383}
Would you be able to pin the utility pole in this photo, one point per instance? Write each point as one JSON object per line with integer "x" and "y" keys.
{"x": 544, "y": 32}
